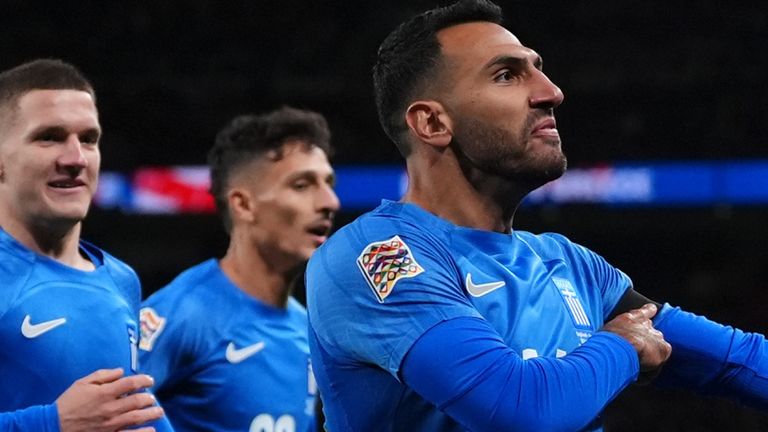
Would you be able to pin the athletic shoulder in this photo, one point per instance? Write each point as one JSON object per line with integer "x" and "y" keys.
{"x": 590, "y": 269}
{"x": 395, "y": 241}
{"x": 189, "y": 294}
{"x": 121, "y": 273}
{"x": 16, "y": 269}
{"x": 548, "y": 242}
{"x": 388, "y": 276}
{"x": 180, "y": 314}
{"x": 552, "y": 246}
{"x": 391, "y": 219}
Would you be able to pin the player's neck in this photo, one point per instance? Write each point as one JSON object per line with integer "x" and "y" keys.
{"x": 60, "y": 243}
{"x": 487, "y": 204}
{"x": 245, "y": 267}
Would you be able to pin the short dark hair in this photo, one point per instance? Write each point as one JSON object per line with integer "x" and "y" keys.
{"x": 248, "y": 137}
{"x": 41, "y": 74}
{"x": 409, "y": 56}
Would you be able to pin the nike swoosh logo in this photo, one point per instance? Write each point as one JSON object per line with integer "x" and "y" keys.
{"x": 235, "y": 355}
{"x": 479, "y": 290}
{"x": 31, "y": 331}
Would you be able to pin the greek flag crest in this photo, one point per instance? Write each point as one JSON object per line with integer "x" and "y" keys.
{"x": 572, "y": 303}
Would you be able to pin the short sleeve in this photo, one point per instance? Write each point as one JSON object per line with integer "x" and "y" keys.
{"x": 162, "y": 344}
{"x": 125, "y": 278}
{"x": 373, "y": 293}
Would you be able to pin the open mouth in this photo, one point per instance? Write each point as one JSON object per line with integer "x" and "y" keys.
{"x": 320, "y": 229}
{"x": 66, "y": 183}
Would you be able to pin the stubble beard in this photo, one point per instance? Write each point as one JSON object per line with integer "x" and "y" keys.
{"x": 514, "y": 157}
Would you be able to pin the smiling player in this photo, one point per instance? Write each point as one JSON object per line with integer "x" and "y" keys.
{"x": 69, "y": 310}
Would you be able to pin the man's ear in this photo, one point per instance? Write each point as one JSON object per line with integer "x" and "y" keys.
{"x": 429, "y": 122}
{"x": 241, "y": 205}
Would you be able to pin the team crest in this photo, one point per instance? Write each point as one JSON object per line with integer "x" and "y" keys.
{"x": 384, "y": 263}
{"x": 151, "y": 326}
{"x": 573, "y": 304}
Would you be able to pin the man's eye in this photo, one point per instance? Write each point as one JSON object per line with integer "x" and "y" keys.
{"x": 89, "y": 140}
{"x": 504, "y": 75}
{"x": 47, "y": 137}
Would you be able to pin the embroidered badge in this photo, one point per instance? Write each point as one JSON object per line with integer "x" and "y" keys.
{"x": 386, "y": 262}
{"x": 151, "y": 326}
{"x": 571, "y": 299}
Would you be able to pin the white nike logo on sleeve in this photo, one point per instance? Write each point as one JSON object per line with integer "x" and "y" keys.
{"x": 235, "y": 355}
{"x": 479, "y": 290}
{"x": 31, "y": 331}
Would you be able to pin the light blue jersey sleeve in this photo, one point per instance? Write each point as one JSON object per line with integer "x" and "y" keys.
{"x": 163, "y": 361}
{"x": 42, "y": 418}
{"x": 713, "y": 359}
{"x": 383, "y": 281}
{"x": 45, "y": 418}
{"x": 467, "y": 371}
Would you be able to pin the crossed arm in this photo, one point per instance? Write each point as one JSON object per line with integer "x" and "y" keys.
{"x": 464, "y": 368}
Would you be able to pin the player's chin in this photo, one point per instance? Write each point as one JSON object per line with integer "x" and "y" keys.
{"x": 72, "y": 212}
{"x": 552, "y": 172}
{"x": 309, "y": 248}
{"x": 307, "y": 252}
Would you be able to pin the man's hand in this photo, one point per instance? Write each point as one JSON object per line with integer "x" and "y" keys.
{"x": 105, "y": 401}
{"x": 636, "y": 327}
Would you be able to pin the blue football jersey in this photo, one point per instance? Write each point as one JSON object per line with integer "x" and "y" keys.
{"x": 60, "y": 324}
{"x": 381, "y": 282}
{"x": 224, "y": 361}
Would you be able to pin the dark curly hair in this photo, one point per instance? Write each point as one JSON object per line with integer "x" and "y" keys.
{"x": 250, "y": 136}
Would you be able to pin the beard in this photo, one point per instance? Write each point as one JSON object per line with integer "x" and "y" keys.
{"x": 511, "y": 155}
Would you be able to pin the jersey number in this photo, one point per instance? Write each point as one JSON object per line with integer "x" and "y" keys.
{"x": 266, "y": 423}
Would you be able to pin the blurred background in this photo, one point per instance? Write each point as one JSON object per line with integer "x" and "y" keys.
{"x": 664, "y": 125}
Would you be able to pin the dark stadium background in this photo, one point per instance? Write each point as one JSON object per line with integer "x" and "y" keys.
{"x": 644, "y": 81}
